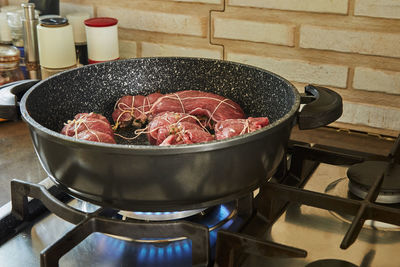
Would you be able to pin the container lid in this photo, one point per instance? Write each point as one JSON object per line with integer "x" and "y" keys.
{"x": 54, "y": 22}
{"x": 101, "y": 22}
{"x": 8, "y": 53}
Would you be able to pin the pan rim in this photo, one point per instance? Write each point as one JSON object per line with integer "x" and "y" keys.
{"x": 174, "y": 149}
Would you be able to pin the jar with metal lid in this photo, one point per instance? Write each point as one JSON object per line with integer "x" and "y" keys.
{"x": 56, "y": 46}
{"x": 9, "y": 65}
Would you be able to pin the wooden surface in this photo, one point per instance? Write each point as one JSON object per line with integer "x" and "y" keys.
{"x": 345, "y": 139}
{"x": 18, "y": 159}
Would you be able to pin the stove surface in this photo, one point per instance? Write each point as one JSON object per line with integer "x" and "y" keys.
{"x": 317, "y": 231}
{"x": 320, "y": 232}
{"x": 96, "y": 250}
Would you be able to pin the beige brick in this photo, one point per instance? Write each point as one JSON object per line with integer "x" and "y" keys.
{"x": 201, "y": 1}
{"x": 68, "y": 8}
{"x": 325, "y": 6}
{"x": 16, "y": 2}
{"x": 374, "y": 8}
{"x": 157, "y": 21}
{"x": 369, "y": 115}
{"x": 266, "y": 32}
{"x": 377, "y": 80}
{"x": 127, "y": 49}
{"x": 362, "y": 42}
{"x": 156, "y": 50}
{"x": 297, "y": 70}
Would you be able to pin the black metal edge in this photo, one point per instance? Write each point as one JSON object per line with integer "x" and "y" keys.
{"x": 10, "y": 225}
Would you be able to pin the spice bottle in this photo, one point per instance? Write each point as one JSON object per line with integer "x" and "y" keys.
{"x": 9, "y": 65}
{"x": 14, "y": 19}
{"x": 78, "y": 27}
{"x": 5, "y": 30}
{"x": 56, "y": 46}
{"x": 102, "y": 39}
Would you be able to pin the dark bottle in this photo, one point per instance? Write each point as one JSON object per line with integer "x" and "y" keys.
{"x": 47, "y": 7}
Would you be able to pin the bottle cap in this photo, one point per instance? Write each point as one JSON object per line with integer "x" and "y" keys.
{"x": 101, "y": 22}
{"x": 54, "y": 22}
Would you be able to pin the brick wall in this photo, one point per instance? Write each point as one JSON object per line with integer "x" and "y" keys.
{"x": 351, "y": 46}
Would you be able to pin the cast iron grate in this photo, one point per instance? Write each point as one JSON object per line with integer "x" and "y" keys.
{"x": 258, "y": 214}
{"x": 361, "y": 209}
{"x": 275, "y": 196}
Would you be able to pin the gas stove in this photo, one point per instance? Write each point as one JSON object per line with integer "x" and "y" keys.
{"x": 317, "y": 210}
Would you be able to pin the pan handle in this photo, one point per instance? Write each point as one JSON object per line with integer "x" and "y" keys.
{"x": 323, "y": 106}
{"x": 10, "y": 95}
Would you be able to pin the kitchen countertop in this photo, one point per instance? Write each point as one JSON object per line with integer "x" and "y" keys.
{"x": 18, "y": 159}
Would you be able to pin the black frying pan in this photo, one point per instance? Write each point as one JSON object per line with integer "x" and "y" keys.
{"x": 151, "y": 178}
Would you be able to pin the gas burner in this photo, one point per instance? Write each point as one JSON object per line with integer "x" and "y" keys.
{"x": 340, "y": 188}
{"x": 214, "y": 218}
{"x": 362, "y": 176}
{"x": 331, "y": 263}
{"x": 159, "y": 216}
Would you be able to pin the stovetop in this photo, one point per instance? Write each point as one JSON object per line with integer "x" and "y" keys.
{"x": 320, "y": 232}
{"x": 300, "y": 216}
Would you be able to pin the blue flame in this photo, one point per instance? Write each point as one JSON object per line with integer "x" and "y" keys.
{"x": 160, "y": 254}
{"x": 176, "y": 253}
{"x": 142, "y": 252}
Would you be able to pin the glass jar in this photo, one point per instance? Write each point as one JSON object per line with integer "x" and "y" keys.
{"x": 9, "y": 65}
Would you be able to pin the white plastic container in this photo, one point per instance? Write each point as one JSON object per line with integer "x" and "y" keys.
{"x": 56, "y": 44}
{"x": 102, "y": 39}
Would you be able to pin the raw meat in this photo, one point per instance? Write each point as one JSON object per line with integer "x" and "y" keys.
{"x": 85, "y": 121}
{"x": 96, "y": 136}
{"x": 133, "y": 109}
{"x": 170, "y": 128}
{"x": 233, "y": 127}
{"x": 91, "y": 127}
{"x": 210, "y": 107}
{"x": 201, "y": 104}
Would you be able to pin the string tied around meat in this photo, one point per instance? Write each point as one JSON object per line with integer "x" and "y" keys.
{"x": 76, "y": 123}
{"x": 139, "y": 132}
{"x": 124, "y": 108}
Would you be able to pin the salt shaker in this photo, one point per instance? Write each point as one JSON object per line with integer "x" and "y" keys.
{"x": 56, "y": 46}
{"x": 102, "y": 39}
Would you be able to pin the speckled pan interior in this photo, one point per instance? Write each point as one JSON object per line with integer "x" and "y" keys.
{"x": 96, "y": 88}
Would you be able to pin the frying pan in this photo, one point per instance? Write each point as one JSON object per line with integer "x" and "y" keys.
{"x": 140, "y": 177}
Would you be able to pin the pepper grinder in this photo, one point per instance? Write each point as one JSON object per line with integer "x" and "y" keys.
{"x": 29, "y": 24}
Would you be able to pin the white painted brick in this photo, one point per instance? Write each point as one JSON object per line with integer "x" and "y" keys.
{"x": 324, "y": 6}
{"x": 381, "y": 8}
{"x": 127, "y": 49}
{"x": 147, "y": 20}
{"x": 267, "y": 32}
{"x": 68, "y": 8}
{"x": 362, "y": 42}
{"x": 201, "y": 1}
{"x": 297, "y": 70}
{"x": 157, "y": 50}
{"x": 373, "y": 116}
{"x": 377, "y": 80}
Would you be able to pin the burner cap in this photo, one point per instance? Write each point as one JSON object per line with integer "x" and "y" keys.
{"x": 367, "y": 172}
{"x": 159, "y": 216}
{"x": 331, "y": 263}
